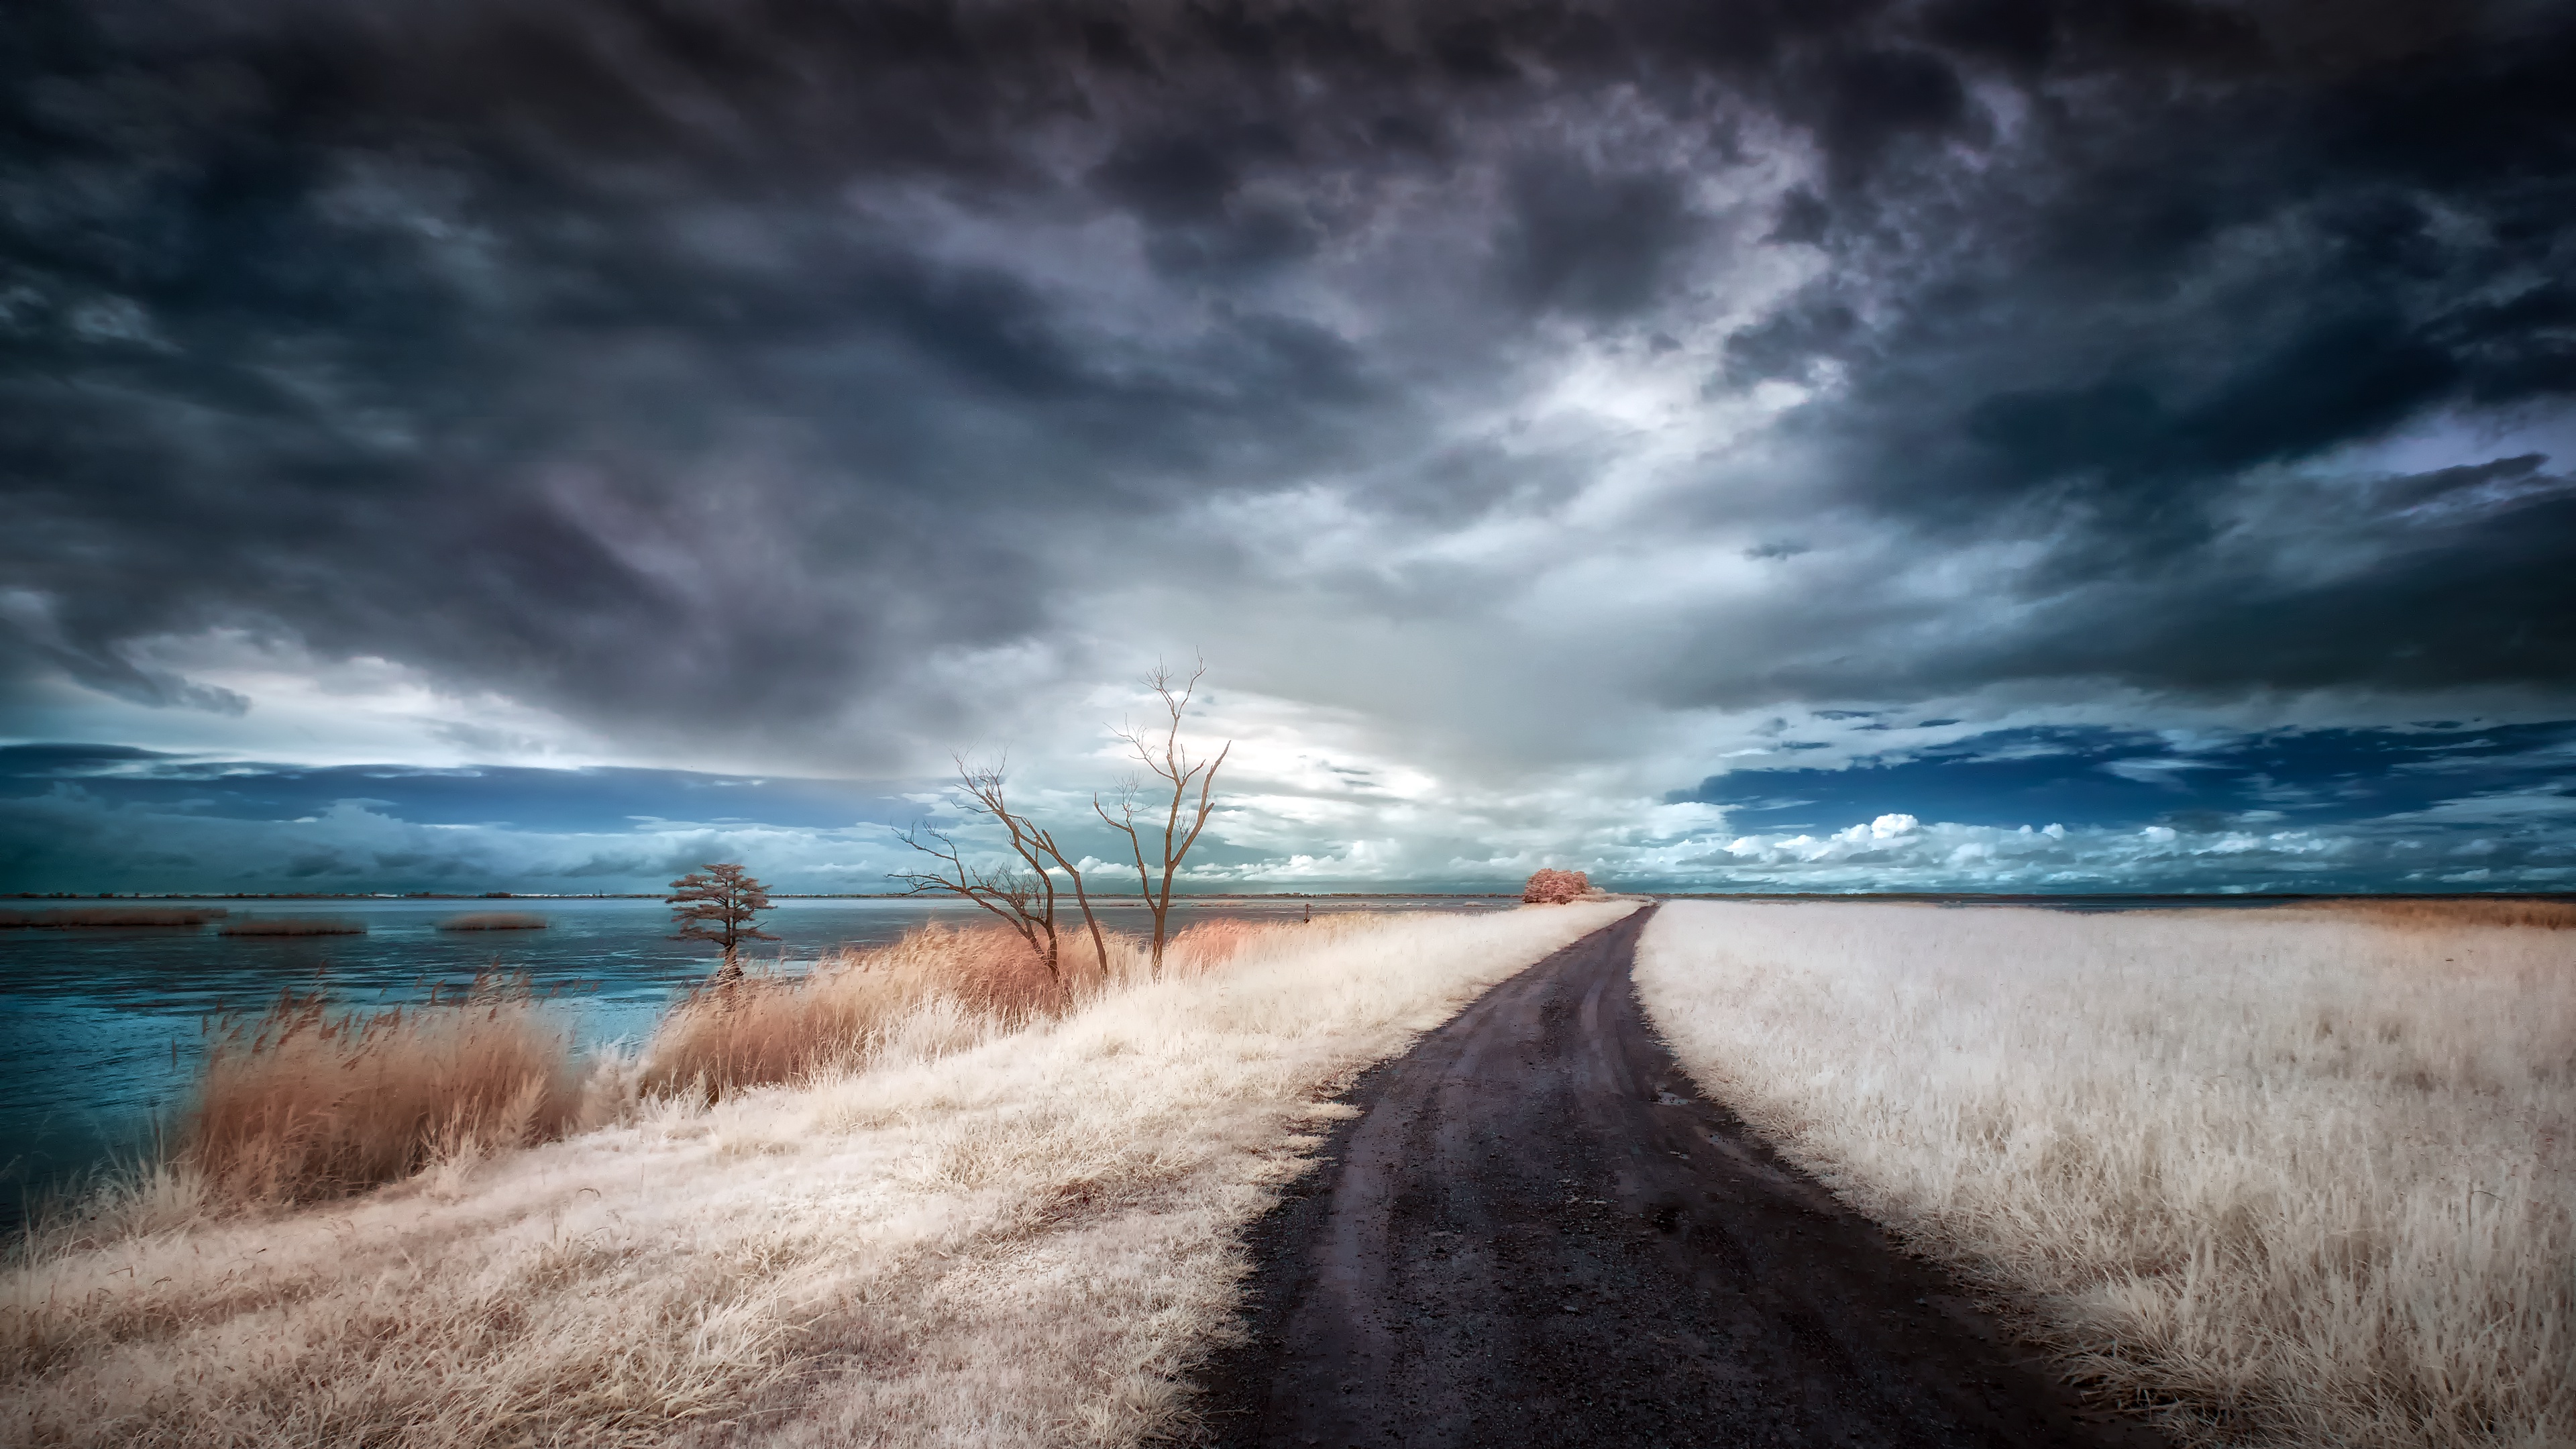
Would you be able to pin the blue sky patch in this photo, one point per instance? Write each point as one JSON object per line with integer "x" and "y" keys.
{"x": 2125, "y": 778}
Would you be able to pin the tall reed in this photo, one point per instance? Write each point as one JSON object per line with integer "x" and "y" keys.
{"x": 301, "y": 1102}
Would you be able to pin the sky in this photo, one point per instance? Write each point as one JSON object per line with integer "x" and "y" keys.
{"x": 1728, "y": 445}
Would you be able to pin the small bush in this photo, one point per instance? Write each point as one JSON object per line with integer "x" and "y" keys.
{"x": 300, "y": 1103}
{"x": 494, "y": 921}
{"x": 293, "y": 926}
{"x": 1555, "y": 887}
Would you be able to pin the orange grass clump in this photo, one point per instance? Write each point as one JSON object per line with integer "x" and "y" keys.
{"x": 299, "y": 1103}
{"x": 115, "y": 916}
{"x": 293, "y": 926}
{"x": 769, "y": 1026}
{"x": 2418, "y": 913}
{"x": 1211, "y": 944}
{"x": 494, "y": 921}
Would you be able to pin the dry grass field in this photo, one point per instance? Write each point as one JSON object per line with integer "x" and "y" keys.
{"x": 2291, "y": 1176}
{"x": 995, "y": 1220}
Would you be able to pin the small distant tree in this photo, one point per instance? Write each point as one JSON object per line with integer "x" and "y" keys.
{"x": 1023, "y": 893}
{"x": 1173, "y": 769}
{"x": 719, "y": 903}
{"x": 1556, "y": 887}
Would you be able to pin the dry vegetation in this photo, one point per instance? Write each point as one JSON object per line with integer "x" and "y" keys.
{"x": 301, "y": 1103}
{"x": 758, "y": 1029}
{"x": 293, "y": 926}
{"x": 2289, "y": 1176}
{"x": 1552, "y": 887}
{"x": 2417, "y": 913}
{"x": 111, "y": 916}
{"x": 961, "y": 1218}
{"x": 494, "y": 921}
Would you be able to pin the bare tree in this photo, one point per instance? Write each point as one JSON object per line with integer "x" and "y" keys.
{"x": 719, "y": 903}
{"x": 1023, "y": 895}
{"x": 1170, "y": 763}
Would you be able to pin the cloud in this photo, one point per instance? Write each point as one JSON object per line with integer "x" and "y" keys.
{"x": 1549, "y": 395}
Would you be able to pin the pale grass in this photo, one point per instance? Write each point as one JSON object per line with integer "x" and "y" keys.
{"x": 2280, "y": 1177}
{"x": 972, "y": 1236}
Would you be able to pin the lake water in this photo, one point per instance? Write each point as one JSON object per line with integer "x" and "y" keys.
{"x": 99, "y": 1029}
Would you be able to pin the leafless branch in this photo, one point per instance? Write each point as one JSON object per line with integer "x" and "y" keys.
{"x": 1169, "y": 760}
{"x": 1023, "y": 896}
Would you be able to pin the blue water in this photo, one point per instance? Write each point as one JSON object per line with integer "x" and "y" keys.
{"x": 100, "y": 1029}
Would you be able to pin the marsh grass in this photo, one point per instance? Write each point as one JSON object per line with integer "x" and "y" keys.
{"x": 77, "y": 917}
{"x": 2292, "y": 1176}
{"x": 293, "y": 926}
{"x": 302, "y": 1102}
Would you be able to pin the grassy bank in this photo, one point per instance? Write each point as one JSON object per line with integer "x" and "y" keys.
{"x": 2292, "y": 1176}
{"x": 988, "y": 1215}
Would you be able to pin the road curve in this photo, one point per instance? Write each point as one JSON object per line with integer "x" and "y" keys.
{"x": 1536, "y": 1234}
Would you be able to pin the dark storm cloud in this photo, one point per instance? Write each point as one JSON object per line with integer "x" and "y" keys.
{"x": 688, "y": 368}
{"x": 541, "y": 346}
{"x": 1590, "y": 243}
{"x": 2216, "y": 245}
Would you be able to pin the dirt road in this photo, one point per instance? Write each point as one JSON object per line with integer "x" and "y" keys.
{"x": 1535, "y": 1234}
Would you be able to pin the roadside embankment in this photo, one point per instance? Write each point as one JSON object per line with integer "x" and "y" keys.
{"x": 971, "y": 1234}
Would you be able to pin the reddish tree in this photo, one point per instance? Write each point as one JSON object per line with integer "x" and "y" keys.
{"x": 1555, "y": 887}
{"x": 718, "y": 903}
